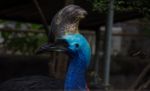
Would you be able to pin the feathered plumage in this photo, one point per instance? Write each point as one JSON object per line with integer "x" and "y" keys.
{"x": 66, "y": 21}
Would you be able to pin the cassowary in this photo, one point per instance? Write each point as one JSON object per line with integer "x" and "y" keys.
{"x": 64, "y": 37}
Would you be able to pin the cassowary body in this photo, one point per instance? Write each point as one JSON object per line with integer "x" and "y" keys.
{"x": 65, "y": 37}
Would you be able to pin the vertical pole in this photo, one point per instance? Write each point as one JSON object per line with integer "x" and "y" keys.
{"x": 45, "y": 24}
{"x": 108, "y": 37}
{"x": 97, "y": 58}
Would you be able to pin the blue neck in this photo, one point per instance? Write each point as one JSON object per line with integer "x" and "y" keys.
{"x": 75, "y": 78}
{"x": 79, "y": 61}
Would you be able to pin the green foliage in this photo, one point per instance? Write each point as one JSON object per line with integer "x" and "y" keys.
{"x": 22, "y": 43}
{"x": 100, "y": 5}
{"x": 142, "y": 6}
{"x": 36, "y": 26}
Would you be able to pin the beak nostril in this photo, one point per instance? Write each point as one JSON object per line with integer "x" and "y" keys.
{"x": 62, "y": 42}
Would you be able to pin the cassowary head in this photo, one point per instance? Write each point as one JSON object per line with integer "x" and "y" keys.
{"x": 64, "y": 30}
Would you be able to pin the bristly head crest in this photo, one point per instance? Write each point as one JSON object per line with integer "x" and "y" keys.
{"x": 66, "y": 21}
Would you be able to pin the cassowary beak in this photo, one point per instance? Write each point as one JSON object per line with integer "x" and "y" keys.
{"x": 59, "y": 46}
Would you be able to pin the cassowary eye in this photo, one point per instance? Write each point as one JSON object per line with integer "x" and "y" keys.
{"x": 76, "y": 45}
